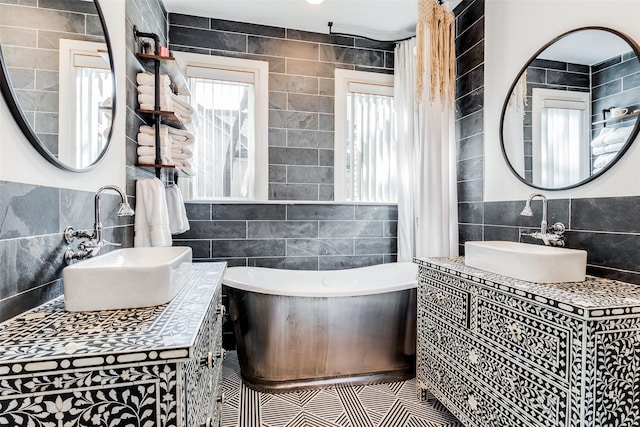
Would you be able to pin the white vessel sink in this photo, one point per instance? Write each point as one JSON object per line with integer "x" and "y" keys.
{"x": 126, "y": 278}
{"x": 532, "y": 263}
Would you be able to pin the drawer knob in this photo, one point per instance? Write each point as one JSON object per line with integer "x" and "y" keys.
{"x": 208, "y": 360}
{"x": 221, "y": 399}
{"x": 438, "y": 337}
{"x": 473, "y": 403}
{"x": 221, "y": 310}
{"x": 440, "y": 298}
{"x": 221, "y": 354}
{"x": 207, "y": 423}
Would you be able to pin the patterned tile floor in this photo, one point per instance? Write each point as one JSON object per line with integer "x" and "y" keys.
{"x": 381, "y": 405}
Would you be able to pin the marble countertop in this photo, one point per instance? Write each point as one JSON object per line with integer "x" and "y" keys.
{"x": 48, "y": 335}
{"x": 595, "y": 297}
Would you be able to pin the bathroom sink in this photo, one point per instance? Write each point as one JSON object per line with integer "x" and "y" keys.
{"x": 126, "y": 278}
{"x": 532, "y": 263}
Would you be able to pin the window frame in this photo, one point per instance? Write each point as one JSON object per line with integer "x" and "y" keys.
{"x": 343, "y": 79}
{"x": 259, "y": 177}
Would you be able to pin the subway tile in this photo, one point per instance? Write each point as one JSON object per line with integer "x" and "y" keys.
{"x": 614, "y": 274}
{"x": 313, "y": 68}
{"x": 470, "y": 191}
{"x": 200, "y": 248}
{"x": 282, "y": 48}
{"x": 277, "y": 137}
{"x": 293, "y": 120}
{"x": 389, "y": 59}
{"x": 243, "y": 27}
{"x": 320, "y": 212}
{"x": 390, "y": 229}
{"x": 293, "y": 192}
{"x": 195, "y": 37}
{"x": 376, "y": 212}
{"x": 317, "y": 247}
{"x": 21, "y": 212}
{"x": 470, "y": 81}
{"x": 215, "y": 230}
{"x": 310, "y": 174}
{"x": 369, "y": 58}
{"x": 47, "y": 80}
{"x": 469, "y": 233}
{"x": 508, "y": 213}
{"x": 352, "y": 229}
{"x": 13, "y": 36}
{"x": 319, "y": 37}
{"x": 248, "y": 248}
{"x": 511, "y": 234}
{"x": 254, "y": 211}
{"x": 326, "y": 122}
{"x": 609, "y": 250}
{"x": 611, "y": 214}
{"x": 373, "y": 44}
{"x": 326, "y": 87}
{"x": 293, "y": 156}
{"x": 22, "y": 79}
{"x": 293, "y": 84}
{"x": 470, "y": 36}
{"x": 199, "y": 211}
{"x": 325, "y": 157}
{"x": 470, "y": 147}
{"x": 468, "y": 12}
{"x": 470, "y": 103}
{"x": 282, "y": 229}
{"x": 471, "y": 212}
{"x": 44, "y": 19}
{"x": 309, "y": 138}
{"x": 470, "y": 59}
{"x": 277, "y": 101}
{"x": 24, "y": 301}
{"x": 389, "y": 258}
{"x": 548, "y": 64}
{"x": 184, "y": 20}
{"x": 277, "y": 173}
{"x": 313, "y": 103}
{"x": 325, "y": 192}
{"x": 470, "y": 169}
{"x": 470, "y": 125}
{"x": 568, "y": 79}
{"x": 343, "y": 262}
{"x": 231, "y": 262}
{"x": 372, "y": 246}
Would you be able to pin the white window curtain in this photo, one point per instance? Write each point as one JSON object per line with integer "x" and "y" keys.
{"x": 513, "y": 132}
{"x": 425, "y": 107}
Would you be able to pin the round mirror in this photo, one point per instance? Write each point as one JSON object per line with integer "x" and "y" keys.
{"x": 57, "y": 78}
{"x": 573, "y": 109}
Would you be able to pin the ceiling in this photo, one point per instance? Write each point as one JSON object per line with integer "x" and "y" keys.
{"x": 586, "y": 47}
{"x": 380, "y": 19}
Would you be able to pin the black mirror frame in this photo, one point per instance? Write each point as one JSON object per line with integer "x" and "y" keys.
{"x": 622, "y": 151}
{"x": 10, "y": 98}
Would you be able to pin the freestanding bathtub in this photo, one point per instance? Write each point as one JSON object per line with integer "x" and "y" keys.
{"x": 312, "y": 329}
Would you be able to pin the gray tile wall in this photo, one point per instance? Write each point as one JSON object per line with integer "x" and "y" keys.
{"x": 301, "y": 91}
{"x": 32, "y": 219}
{"x": 607, "y": 228}
{"x": 296, "y": 236}
{"x": 32, "y": 50}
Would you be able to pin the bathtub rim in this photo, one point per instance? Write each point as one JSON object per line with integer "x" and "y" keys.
{"x": 320, "y": 291}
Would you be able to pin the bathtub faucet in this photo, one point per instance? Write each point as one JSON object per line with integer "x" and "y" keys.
{"x": 550, "y": 236}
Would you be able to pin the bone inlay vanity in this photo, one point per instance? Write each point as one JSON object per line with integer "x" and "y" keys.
{"x": 502, "y": 352}
{"x": 156, "y": 366}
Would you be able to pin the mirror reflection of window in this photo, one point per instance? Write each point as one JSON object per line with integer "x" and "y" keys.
{"x": 561, "y": 142}
{"x": 86, "y": 86}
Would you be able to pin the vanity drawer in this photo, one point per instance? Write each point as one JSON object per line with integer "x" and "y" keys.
{"x": 447, "y": 303}
{"x": 506, "y": 379}
{"x": 525, "y": 336}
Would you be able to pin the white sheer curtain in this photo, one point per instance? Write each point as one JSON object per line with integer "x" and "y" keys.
{"x": 513, "y": 132}
{"x": 427, "y": 191}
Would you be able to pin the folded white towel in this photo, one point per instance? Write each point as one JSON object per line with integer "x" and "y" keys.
{"x": 603, "y": 160}
{"x": 177, "y": 155}
{"x": 178, "y": 221}
{"x": 151, "y": 160}
{"x": 151, "y": 224}
{"x": 186, "y": 166}
{"x": 166, "y": 103}
{"x": 150, "y": 140}
{"x": 607, "y": 149}
{"x": 619, "y": 135}
{"x": 599, "y": 140}
{"x": 151, "y": 90}
{"x": 181, "y": 132}
{"x": 182, "y": 103}
{"x": 165, "y": 152}
{"x": 149, "y": 79}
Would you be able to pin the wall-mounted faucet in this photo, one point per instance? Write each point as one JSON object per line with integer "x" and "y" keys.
{"x": 93, "y": 242}
{"x": 554, "y": 235}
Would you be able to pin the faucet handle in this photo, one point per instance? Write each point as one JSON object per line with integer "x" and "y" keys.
{"x": 71, "y": 233}
{"x": 558, "y": 228}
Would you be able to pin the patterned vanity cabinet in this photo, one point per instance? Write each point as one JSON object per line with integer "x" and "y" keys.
{"x": 506, "y": 353}
{"x": 152, "y": 367}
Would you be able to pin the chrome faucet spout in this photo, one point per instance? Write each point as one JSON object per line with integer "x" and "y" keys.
{"x": 528, "y": 212}
{"x": 124, "y": 209}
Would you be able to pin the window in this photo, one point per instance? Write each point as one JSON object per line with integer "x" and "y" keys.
{"x": 86, "y": 106}
{"x": 365, "y": 144}
{"x": 230, "y": 96}
{"x": 560, "y": 134}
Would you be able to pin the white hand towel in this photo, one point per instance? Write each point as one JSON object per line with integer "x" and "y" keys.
{"x": 151, "y": 223}
{"x": 149, "y": 79}
{"x": 178, "y": 221}
{"x": 151, "y": 90}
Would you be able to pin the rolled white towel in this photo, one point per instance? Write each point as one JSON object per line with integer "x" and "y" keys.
{"x": 619, "y": 135}
{"x": 149, "y": 79}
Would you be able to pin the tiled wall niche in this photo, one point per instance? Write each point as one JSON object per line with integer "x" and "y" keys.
{"x": 607, "y": 228}
{"x": 301, "y": 91}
